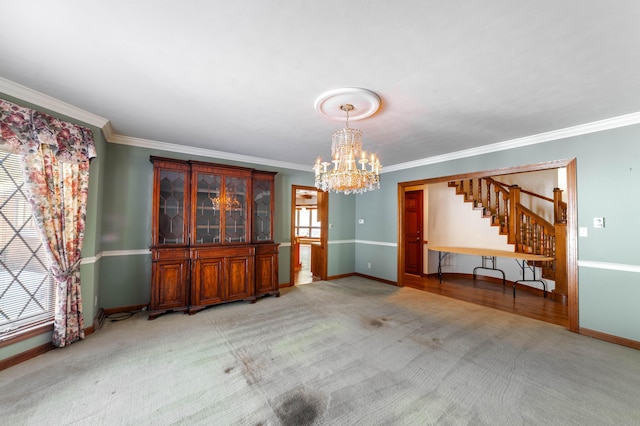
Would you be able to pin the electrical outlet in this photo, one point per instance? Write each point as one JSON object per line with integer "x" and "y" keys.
{"x": 369, "y": 265}
{"x": 582, "y": 231}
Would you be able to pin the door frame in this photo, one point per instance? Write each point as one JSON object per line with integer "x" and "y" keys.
{"x": 572, "y": 222}
{"x": 323, "y": 217}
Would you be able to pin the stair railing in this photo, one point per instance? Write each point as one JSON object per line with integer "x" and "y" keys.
{"x": 529, "y": 232}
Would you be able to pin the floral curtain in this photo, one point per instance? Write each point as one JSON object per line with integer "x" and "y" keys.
{"x": 56, "y": 157}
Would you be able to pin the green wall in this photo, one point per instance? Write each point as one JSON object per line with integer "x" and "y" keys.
{"x": 117, "y": 265}
{"x": 125, "y": 266}
{"x": 608, "y": 177}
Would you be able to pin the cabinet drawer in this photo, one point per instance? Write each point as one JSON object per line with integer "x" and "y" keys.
{"x": 215, "y": 252}
{"x": 169, "y": 254}
{"x": 268, "y": 248}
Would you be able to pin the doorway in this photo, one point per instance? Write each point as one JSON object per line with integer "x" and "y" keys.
{"x": 405, "y": 188}
{"x": 309, "y": 213}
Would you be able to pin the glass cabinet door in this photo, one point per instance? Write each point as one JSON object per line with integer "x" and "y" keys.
{"x": 171, "y": 203}
{"x": 208, "y": 208}
{"x": 262, "y": 226}
{"x": 219, "y": 209}
{"x": 235, "y": 219}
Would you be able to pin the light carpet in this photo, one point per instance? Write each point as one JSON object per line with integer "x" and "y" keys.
{"x": 346, "y": 352}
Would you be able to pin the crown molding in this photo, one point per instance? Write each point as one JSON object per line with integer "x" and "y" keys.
{"x": 165, "y": 146}
{"x": 582, "y": 129}
{"x": 108, "y": 132}
{"x": 45, "y": 101}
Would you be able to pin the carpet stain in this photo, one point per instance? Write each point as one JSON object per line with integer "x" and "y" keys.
{"x": 299, "y": 409}
{"x": 377, "y": 323}
{"x": 434, "y": 342}
{"x": 228, "y": 370}
{"x": 252, "y": 370}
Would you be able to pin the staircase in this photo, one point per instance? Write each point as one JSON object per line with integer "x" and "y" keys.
{"x": 526, "y": 230}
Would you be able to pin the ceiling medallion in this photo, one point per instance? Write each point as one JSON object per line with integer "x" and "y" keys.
{"x": 346, "y": 145}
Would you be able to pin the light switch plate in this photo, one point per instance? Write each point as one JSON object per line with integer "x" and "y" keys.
{"x": 598, "y": 222}
{"x": 582, "y": 231}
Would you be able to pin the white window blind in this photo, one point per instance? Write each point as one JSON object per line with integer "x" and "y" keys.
{"x": 26, "y": 286}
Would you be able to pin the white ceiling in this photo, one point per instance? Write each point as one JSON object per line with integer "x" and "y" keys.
{"x": 242, "y": 77}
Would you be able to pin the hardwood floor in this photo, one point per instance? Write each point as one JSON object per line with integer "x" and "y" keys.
{"x": 304, "y": 275}
{"x": 492, "y": 294}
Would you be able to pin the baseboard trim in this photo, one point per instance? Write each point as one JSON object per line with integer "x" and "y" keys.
{"x": 382, "y": 280}
{"x": 337, "y": 277}
{"x": 634, "y": 344}
{"x": 39, "y": 350}
{"x": 26, "y": 355}
{"x": 121, "y": 309}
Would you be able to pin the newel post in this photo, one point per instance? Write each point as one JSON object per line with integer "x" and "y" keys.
{"x": 559, "y": 213}
{"x": 514, "y": 223}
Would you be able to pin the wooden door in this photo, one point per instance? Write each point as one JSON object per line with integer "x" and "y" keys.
{"x": 171, "y": 285}
{"x": 413, "y": 232}
{"x": 240, "y": 281}
{"x": 207, "y": 282}
{"x": 169, "y": 290}
{"x": 267, "y": 270}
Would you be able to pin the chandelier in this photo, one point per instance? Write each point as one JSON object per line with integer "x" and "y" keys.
{"x": 352, "y": 171}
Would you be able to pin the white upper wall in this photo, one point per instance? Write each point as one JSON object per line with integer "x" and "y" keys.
{"x": 454, "y": 223}
{"x": 541, "y": 182}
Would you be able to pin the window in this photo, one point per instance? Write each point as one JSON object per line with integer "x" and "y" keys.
{"x": 26, "y": 286}
{"x": 307, "y": 224}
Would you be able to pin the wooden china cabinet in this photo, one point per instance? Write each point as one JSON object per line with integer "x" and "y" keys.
{"x": 212, "y": 236}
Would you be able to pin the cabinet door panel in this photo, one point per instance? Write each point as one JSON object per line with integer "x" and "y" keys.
{"x": 265, "y": 265}
{"x": 170, "y": 203}
{"x": 207, "y": 284}
{"x": 240, "y": 277}
{"x": 262, "y": 223}
{"x": 235, "y": 218}
{"x": 170, "y": 289}
{"x": 207, "y": 208}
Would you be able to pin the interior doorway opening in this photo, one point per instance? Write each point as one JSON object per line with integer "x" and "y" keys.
{"x": 571, "y": 270}
{"x": 308, "y": 234}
